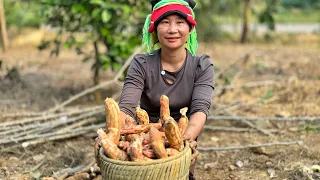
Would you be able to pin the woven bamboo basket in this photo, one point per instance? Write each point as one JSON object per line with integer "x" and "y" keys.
{"x": 172, "y": 168}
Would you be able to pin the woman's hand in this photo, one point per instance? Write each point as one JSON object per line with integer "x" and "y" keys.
{"x": 193, "y": 146}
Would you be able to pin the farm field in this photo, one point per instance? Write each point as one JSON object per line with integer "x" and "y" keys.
{"x": 269, "y": 80}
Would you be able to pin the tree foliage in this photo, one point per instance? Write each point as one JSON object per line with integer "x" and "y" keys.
{"x": 267, "y": 15}
{"x": 207, "y": 25}
{"x": 114, "y": 24}
{"x": 22, "y": 13}
{"x": 313, "y": 4}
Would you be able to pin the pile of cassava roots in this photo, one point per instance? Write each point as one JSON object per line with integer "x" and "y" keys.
{"x": 139, "y": 140}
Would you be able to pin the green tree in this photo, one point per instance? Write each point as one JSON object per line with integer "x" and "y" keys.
{"x": 24, "y": 13}
{"x": 206, "y": 16}
{"x": 267, "y": 15}
{"x": 112, "y": 29}
{"x": 313, "y": 4}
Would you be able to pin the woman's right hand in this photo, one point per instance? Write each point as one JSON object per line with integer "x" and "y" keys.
{"x": 193, "y": 146}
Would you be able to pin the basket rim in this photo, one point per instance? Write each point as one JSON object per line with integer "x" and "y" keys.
{"x": 154, "y": 161}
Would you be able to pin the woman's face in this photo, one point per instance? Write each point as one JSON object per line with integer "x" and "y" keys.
{"x": 173, "y": 32}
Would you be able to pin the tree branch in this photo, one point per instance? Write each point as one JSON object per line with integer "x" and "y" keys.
{"x": 101, "y": 85}
{"x": 248, "y": 85}
{"x": 245, "y": 57}
{"x": 241, "y": 118}
{"x": 249, "y": 146}
{"x": 49, "y": 116}
{"x": 234, "y": 129}
{"x": 45, "y": 127}
{"x": 257, "y": 128}
{"x": 62, "y": 135}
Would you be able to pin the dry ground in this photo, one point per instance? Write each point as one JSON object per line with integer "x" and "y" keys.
{"x": 44, "y": 82}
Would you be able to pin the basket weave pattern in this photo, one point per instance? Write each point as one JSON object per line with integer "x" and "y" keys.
{"x": 171, "y": 168}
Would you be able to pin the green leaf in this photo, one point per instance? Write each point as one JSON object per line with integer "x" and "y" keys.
{"x": 106, "y": 66}
{"x": 106, "y": 16}
{"x": 116, "y": 66}
{"x": 310, "y": 128}
{"x": 85, "y": 59}
{"x": 268, "y": 95}
{"x": 77, "y": 8}
{"x": 67, "y": 45}
{"x": 227, "y": 80}
{"x": 126, "y": 9}
{"x": 104, "y": 59}
{"x": 37, "y": 176}
{"x": 80, "y": 43}
{"x": 43, "y": 45}
{"x": 104, "y": 32}
{"x": 98, "y": 2}
{"x": 95, "y": 13}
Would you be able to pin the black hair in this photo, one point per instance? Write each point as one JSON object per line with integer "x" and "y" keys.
{"x": 191, "y": 3}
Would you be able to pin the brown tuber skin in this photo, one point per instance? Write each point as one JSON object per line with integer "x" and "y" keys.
{"x": 183, "y": 121}
{"x": 142, "y": 116}
{"x": 48, "y": 178}
{"x": 149, "y": 153}
{"x": 130, "y": 122}
{"x": 171, "y": 151}
{"x": 99, "y": 177}
{"x": 79, "y": 176}
{"x": 139, "y": 128}
{"x": 114, "y": 135}
{"x": 135, "y": 150}
{"x": 112, "y": 114}
{"x": 164, "y": 108}
{"x": 145, "y": 138}
{"x": 132, "y": 137}
{"x": 110, "y": 148}
{"x": 102, "y": 134}
{"x": 124, "y": 145}
{"x": 173, "y": 135}
{"x": 157, "y": 143}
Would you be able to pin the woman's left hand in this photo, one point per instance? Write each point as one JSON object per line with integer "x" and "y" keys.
{"x": 193, "y": 146}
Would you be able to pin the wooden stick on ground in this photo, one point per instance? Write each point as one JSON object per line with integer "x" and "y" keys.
{"x": 234, "y": 129}
{"x": 250, "y": 124}
{"x": 35, "y": 167}
{"x": 38, "y": 127}
{"x": 232, "y": 107}
{"x": 245, "y": 57}
{"x": 250, "y": 146}
{"x": 248, "y": 85}
{"x": 50, "y": 116}
{"x": 36, "y": 133}
{"x": 257, "y": 128}
{"x": 78, "y": 124}
{"x": 241, "y": 118}
{"x": 101, "y": 85}
{"x": 20, "y": 114}
{"x": 65, "y": 135}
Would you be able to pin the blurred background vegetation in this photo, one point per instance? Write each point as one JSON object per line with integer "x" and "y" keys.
{"x": 113, "y": 28}
{"x": 210, "y": 13}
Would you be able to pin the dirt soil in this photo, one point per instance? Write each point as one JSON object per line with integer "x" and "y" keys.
{"x": 42, "y": 82}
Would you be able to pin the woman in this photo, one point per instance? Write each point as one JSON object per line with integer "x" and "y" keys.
{"x": 173, "y": 70}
